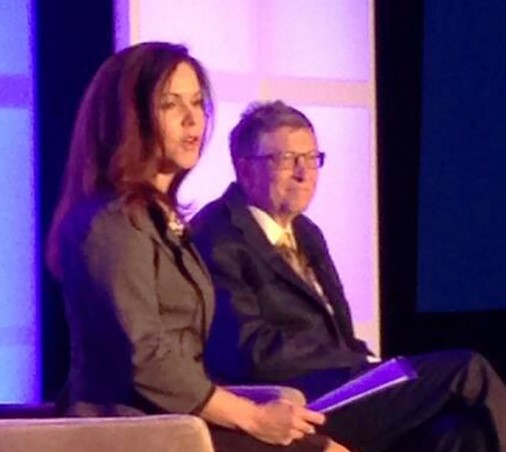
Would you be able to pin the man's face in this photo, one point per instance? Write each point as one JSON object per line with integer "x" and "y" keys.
{"x": 283, "y": 187}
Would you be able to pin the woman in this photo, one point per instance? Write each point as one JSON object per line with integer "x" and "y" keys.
{"x": 139, "y": 299}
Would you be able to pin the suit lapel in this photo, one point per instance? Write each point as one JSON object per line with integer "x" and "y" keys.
{"x": 324, "y": 271}
{"x": 311, "y": 249}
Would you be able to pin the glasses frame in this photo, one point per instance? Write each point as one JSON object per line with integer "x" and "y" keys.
{"x": 290, "y": 160}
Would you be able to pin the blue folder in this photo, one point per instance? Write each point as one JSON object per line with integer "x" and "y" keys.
{"x": 385, "y": 375}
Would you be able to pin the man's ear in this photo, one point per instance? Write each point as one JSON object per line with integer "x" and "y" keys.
{"x": 243, "y": 170}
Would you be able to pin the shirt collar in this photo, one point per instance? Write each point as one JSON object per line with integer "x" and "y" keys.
{"x": 272, "y": 230}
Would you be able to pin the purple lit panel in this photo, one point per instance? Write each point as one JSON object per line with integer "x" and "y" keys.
{"x": 17, "y": 224}
{"x": 18, "y": 375}
{"x": 19, "y": 358}
{"x": 122, "y": 23}
{"x": 14, "y": 39}
{"x": 327, "y": 39}
{"x": 220, "y": 32}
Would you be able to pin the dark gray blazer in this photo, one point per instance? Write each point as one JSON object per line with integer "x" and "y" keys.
{"x": 139, "y": 303}
{"x": 270, "y": 326}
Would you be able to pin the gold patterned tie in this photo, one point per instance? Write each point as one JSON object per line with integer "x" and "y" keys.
{"x": 300, "y": 265}
{"x": 288, "y": 250}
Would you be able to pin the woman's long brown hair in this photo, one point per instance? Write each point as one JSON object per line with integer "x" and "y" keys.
{"x": 116, "y": 142}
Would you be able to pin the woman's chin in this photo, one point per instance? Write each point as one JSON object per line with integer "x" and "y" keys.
{"x": 169, "y": 166}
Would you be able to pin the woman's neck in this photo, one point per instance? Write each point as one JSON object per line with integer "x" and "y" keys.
{"x": 162, "y": 181}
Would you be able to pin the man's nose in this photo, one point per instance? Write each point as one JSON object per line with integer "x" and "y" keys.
{"x": 299, "y": 168}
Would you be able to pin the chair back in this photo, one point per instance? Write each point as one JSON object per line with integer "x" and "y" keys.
{"x": 165, "y": 433}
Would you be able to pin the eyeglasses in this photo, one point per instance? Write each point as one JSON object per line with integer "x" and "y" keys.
{"x": 289, "y": 159}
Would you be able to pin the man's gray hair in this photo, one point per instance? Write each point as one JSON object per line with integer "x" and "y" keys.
{"x": 260, "y": 118}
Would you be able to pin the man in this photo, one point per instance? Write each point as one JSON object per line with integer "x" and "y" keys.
{"x": 282, "y": 316}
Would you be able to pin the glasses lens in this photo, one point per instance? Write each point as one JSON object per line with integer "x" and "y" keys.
{"x": 288, "y": 160}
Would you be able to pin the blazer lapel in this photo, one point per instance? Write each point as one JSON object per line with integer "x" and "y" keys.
{"x": 169, "y": 243}
{"x": 196, "y": 255}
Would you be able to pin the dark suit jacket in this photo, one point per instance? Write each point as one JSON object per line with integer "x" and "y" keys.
{"x": 139, "y": 304}
{"x": 270, "y": 326}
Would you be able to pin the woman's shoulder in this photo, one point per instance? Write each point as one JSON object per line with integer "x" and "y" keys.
{"x": 103, "y": 236}
{"x": 104, "y": 214}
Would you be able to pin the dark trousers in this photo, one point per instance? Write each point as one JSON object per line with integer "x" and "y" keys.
{"x": 226, "y": 440}
{"x": 450, "y": 431}
{"x": 458, "y": 403}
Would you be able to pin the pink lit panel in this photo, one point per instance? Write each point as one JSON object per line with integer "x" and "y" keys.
{"x": 254, "y": 47}
{"x": 343, "y": 205}
{"x": 220, "y": 32}
{"x": 320, "y": 38}
{"x": 214, "y": 172}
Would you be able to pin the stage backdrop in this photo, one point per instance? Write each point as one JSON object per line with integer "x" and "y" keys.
{"x": 19, "y": 324}
{"x": 462, "y": 239}
{"x": 318, "y": 56}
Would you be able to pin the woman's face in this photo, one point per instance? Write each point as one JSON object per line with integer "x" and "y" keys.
{"x": 182, "y": 119}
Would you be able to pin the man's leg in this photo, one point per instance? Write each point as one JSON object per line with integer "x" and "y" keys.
{"x": 456, "y": 431}
{"x": 375, "y": 423}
